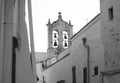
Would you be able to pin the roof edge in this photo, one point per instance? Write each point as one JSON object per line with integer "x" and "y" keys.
{"x": 85, "y": 26}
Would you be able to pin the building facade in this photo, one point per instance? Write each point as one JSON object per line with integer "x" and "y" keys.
{"x": 93, "y": 54}
{"x": 59, "y": 34}
{"x": 111, "y": 39}
{"x": 82, "y": 62}
{"x": 16, "y": 60}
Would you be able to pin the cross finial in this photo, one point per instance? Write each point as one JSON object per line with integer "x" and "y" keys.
{"x": 59, "y": 14}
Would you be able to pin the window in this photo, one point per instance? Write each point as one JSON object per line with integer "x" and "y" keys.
{"x": 96, "y": 71}
{"x": 85, "y": 75}
{"x": 61, "y": 81}
{"x": 110, "y": 13}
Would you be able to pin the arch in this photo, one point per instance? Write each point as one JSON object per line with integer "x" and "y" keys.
{"x": 55, "y": 34}
{"x": 65, "y": 44}
{"x": 55, "y": 43}
{"x": 65, "y": 35}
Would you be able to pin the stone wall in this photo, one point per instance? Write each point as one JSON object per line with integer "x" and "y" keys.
{"x": 111, "y": 34}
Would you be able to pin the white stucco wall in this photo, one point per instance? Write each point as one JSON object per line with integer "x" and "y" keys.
{"x": 78, "y": 56}
{"x": 6, "y": 28}
{"x": 79, "y": 53}
{"x": 59, "y": 71}
{"x": 24, "y": 71}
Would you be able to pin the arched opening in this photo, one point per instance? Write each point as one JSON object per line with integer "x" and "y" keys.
{"x": 55, "y": 39}
{"x": 65, "y": 39}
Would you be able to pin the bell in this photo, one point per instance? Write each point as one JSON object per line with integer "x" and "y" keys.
{"x": 65, "y": 44}
{"x": 55, "y": 43}
{"x": 55, "y": 36}
{"x": 65, "y": 37}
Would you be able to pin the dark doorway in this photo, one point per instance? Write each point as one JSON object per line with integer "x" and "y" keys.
{"x": 85, "y": 75}
{"x": 74, "y": 74}
{"x": 15, "y": 46}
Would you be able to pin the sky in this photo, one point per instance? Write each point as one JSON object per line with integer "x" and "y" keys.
{"x": 80, "y": 12}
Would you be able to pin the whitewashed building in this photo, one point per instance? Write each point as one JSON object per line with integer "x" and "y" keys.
{"x": 93, "y": 55}
{"x": 17, "y": 62}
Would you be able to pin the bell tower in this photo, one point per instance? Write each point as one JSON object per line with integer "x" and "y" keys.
{"x": 59, "y": 34}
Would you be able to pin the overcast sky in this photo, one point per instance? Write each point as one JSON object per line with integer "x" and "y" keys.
{"x": 80, "y": 12}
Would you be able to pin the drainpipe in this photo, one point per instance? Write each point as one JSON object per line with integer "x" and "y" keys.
{"x": 31, "y": 38}
{"x": 88, "y": 58}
